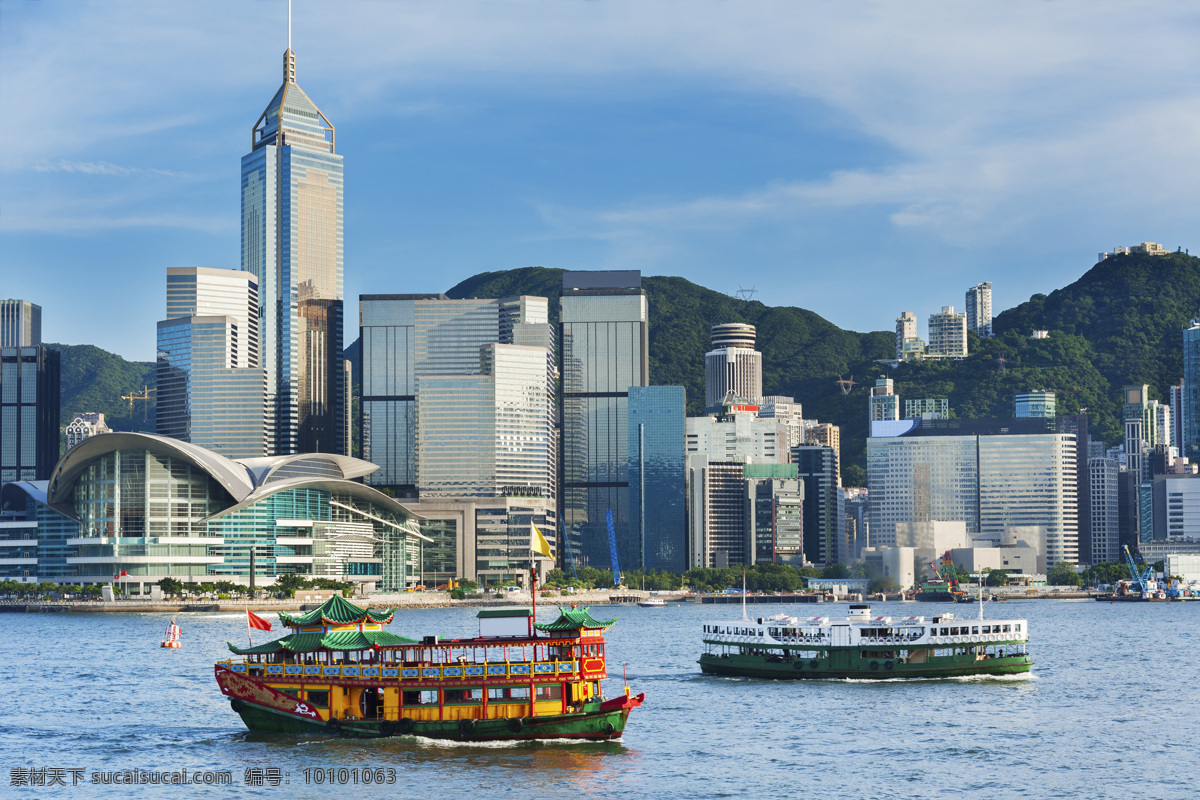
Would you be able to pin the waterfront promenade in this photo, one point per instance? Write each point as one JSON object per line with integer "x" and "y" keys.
{"x": 415, "y": 600}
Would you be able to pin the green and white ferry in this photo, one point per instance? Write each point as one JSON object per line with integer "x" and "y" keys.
{"x": 862, "y": 646}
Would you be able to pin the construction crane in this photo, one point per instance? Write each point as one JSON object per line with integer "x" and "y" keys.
{"x": 1140, "y": 579}
{"x": 144, "y": 396}
{"x": 562, "y": 527}
{"x": 612, "y": 552}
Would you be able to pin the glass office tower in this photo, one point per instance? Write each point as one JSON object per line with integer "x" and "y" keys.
{"x": 404, "y": 338}
{"x": 20, "y": 323}
{"x": 29, "y": 406}
{"x": 657, "y": 479}
{"x": 292, "y": 242}
{"x": 211, "y": 391}
{"x": 604, "y": 352}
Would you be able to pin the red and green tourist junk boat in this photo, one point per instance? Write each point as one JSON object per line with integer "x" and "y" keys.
{"x": 339, "y": 672}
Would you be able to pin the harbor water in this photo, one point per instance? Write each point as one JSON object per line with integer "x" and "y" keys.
{"x": 1108, "y": 712}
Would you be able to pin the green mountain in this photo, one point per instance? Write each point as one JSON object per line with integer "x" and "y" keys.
{"x": 94, "y": 380}
{"x": 1118, "y": 324}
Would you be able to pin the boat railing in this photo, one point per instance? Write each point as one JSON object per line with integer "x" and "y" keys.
{"x": 422, "y": 672}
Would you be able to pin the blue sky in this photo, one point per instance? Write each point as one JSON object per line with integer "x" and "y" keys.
{"x": 857, "y": 159}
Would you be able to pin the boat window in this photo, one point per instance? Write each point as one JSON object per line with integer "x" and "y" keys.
{"x": 291, "y": 693}
{"x": 987, "y": 628}
{"x": 975, "y": 630}
{"x": 519, "y": 693}
{"x": 424, "y": 697}
{"x": 318, "y": 698}
{"x": 553, "y": 692}
{"x": 1006, "y": 628}
{"x": 469, "y": 695}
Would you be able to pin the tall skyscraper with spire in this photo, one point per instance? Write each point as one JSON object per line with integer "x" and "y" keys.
{"x": 292, "y": 243}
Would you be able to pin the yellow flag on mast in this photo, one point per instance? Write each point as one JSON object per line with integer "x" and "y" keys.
{"x": 537, "y": 542}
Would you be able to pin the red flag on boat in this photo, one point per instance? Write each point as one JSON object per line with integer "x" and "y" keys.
{"x": 257, "y": 622}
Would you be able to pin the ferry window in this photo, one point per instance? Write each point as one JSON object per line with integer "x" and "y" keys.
{"x": 549, "y": 692}
{"x": 987, "y": 628}
{"x": 291, "y": 692}
{"x": 462, "y": 695}
{"x": 425, "y": 697}
{"x": 318, "y": 698}
{"x": 517, "y": 693}
{"x": 1006, "y": 628}
{"x": 975, "y": 630}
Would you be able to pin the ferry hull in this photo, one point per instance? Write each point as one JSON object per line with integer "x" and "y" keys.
{"x": 760, "y": 667}
{"x": 601, "y": 725}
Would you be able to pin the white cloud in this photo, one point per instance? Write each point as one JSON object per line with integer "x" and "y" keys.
{"x": 100, "y": 168}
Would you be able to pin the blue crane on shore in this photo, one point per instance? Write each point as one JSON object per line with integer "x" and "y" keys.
{"x": 570, "y": 559}
{"x": 1140, "y": 579}
{"x": 612, "y": 551}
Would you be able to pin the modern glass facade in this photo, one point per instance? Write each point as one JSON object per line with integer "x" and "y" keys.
{"x": 403, "y": 338}
{"x": 921, "y": 479}
{"x": 657, "y": 479}
{"x": 203, "y": 398}
{"x": 604, "y": 352}
{"x": 29, "y": 410}
{"x": 427, "y": 343}
{"x": 1105, "y": 538}
{"x": 1028, "y": 480}
{"x": 292, "y": 222}
{"x": 816, "y": 468}
{"x": 996, "y": 476}
{"x": 1190, "y": 446}
{"x": 20, "y": 323}
{"x": 154, "y": 508}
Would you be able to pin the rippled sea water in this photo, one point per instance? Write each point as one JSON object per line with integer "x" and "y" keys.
{"x": 1109, "y": 712}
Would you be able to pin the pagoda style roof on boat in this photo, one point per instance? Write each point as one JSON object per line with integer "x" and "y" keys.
{"x": 573, "y": 619}
{"x": 337, "y": 610}
{"x": 337, "y": 640}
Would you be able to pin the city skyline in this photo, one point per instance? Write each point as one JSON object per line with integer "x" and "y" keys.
{"x": 601, "y": 136}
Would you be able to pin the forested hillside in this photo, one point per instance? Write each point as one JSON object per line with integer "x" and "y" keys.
{"x": 1119, "y": 323}
{"x": 94, "y": 380}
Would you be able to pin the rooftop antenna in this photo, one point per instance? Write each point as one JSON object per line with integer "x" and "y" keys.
{"x": 289, "y": 24}
{"x": 742, "y": 294}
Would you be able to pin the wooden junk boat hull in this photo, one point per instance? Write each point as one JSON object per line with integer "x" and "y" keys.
{"x": 267, "y": 710}
{"x": 339, "y": 673}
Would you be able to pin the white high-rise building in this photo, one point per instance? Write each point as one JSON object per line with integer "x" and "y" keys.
{"x": 1104, "y": 506}
{"x": 733, "y": 366}
{"x": 885, "y": 404}
{"x": 947, "y": 334}
{"x": 906, "y": 332}
{"x": 979, "y": 309}
{"x": 85, "y": 425}
{"x": 996, "y": 478}
{"x": 741, "y": 437}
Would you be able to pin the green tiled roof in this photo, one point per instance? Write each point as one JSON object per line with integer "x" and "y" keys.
{"x": 337, "y": 610}
{"x": 574, "y": 619}
{"x": 339, "y": 641}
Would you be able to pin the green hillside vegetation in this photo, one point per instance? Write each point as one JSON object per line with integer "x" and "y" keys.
{"x": 802, "y": 353}
{"x": 94, "y": 380}
{"x": 1118, "y": 324}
